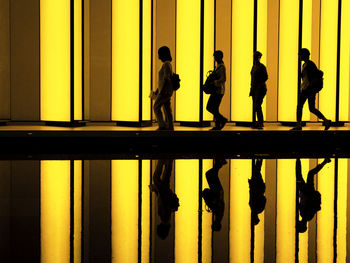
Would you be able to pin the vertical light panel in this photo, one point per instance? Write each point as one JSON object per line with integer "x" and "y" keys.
{"x": 261, "y": 37}
{"x": 328, "y": 57}
{"x": 146, "y": 58}
{"x": 78, "y": 59}
{"x": 145, "y": 211}
{"x": 55, "y": 211}
{"x": 77, "y": 210}
{"x": 125, "y": 56}
{"x": 325, "y": 217}
{"x": 208, "y": 49}
{"x": 342, "y": 199}
{"x": 55, "y": 60}
{"x": 188, "y": 32}
{"x": 288, "y": 60}
{"x": 240, "y": 213}
{"x": 206, "y": 219}
{"x": 286, "y": 191}
{"x": 241, "y": 59}
{"x": 303, "y": 253}
{"x": 259, "y": 240}
{"x": 306, "y": 39}
{"x": 125, "y": 190}
{"x": 344, "y": 70}
{"x": 186, "y": 218}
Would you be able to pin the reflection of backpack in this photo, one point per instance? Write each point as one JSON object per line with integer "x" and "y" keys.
{"x": 317, "y": 82}
{"x": 175, "y": 81}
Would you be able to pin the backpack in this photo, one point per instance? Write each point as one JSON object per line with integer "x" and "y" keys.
{"x": 317, "y": 82}
{"x": 175, "y": 81}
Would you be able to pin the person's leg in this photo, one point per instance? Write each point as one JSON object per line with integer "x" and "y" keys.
{"x": 301, "y": 101}
{"x": 168, "y": 115}
{"x": 158, "y": 112}
{"x": 213, "y": 107}
{"x": 312, "y": 108}
{"x": 254, "y": 98}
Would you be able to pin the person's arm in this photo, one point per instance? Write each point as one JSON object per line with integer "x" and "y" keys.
{"x": 166, "y": 82}
{"x": 221, "y": 76}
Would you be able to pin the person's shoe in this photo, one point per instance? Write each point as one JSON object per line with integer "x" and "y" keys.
{"x": 327, "y": 160}
{"x": 220, "y": 162}
{"x": 215, "y": 128}
{"x": 296, "y": 128}
{"x": 222, "y": 123}
{"x": 161, "y": 129}
{"x": 257, "y": 125}
{"x": 327, "y": 124}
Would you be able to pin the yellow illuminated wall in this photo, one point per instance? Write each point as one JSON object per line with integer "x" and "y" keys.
{"x": 55, "y": 211}
{"x": 344, "y": 73}
{"x": 288, "y": 60}
{"x": 240, "y": 213}
{"x": 342, "y": 199}
{"x": 241, "y": 59}
{"x": 56, "y": 60}
{"x": 259, "y": 244}
{"x": 208, "y": 42}
{"x": 186, "y": 218}
{"x": 325, "y": 217}
{"x": 125, "y": 178}
{"x": 285, "y": 220}
{"x": 145, "y": 211}
{"x": 77, "y": 210}
{"x": 126, "y": 60}
{"x": 206, "y": 219}
{"x": 188, "y": 30}
{"x": 328, "y": 57}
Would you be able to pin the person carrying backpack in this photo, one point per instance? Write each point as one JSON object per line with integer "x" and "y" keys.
{"x": 311, "y": 84}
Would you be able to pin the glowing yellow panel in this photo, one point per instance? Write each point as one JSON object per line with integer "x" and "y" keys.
{"x": 304, "y": 237}
{"x": 125, "y": 176}
{"x": 55, "y": 211}
{"x": 240, "y": 213}
{"x": 325, "y": 217}
{"x": 260, "y": 231}
{"x": 288, "y": 60}
{"x": 77, "y": 210}
{"x": 78, "y": 58}
{"x": 262, "y": 37}
{"x": 208, "y": 49}
{"x": 344, "y": 73}
{"x": 306, "y": 39}
{"x": 55, "y": 60}
{"x": 145, "y": 211}
{"x": 186, "y": 218}
{"x": 328, "y": 57}
{"x": 146, "y": 58}
{"x": 342, "y": 209}
{"x": 241, "y": 59}
{"x": 206, "y": 219}
{"x": 125, "y": 60}
{"x": 188, "y": 59}
{"x": 285, "y": 219}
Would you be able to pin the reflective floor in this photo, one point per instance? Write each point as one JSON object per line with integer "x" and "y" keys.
{"x": 182, "y": 210}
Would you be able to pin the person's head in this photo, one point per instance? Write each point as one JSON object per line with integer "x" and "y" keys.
{"x": 304, "y": 54}
{"x": 257, "y": 56}
{"x": 163, "y": 230}
{"x": 218, "y": 55}
{"x": 164, "y": 54}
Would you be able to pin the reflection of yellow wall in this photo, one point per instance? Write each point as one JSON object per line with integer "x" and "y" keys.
{"x": 125, "y": 210}
{"x": 55, "y": 59}
{"x": 188, "y": 59}
{"x": 242, "y": 59}
{"x": 55, "y": 211}
{"x": 285, "y": 221}
{"x": 186, "y": 218}
{"x": 325, "y": 217}
{"x": 342, "y": 199}
{"x": 288, "y": 60}
{"x": 328, "y": 56}
{"x": 240, "y": 212}
{"x": 260, "y": 231}
{"x": 304, "y": 237}
{"x": 77, "y": 210}
{"x": 145, "y": 212}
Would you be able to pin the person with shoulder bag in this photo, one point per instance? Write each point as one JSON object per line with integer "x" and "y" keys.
{"x": 312, "y": 83}
{"x": 218, "y": 82}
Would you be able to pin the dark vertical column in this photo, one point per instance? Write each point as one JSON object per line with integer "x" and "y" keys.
{"x": 86, "y": 58}
{"x": 86, "y": 212}
{"x": 25, "y": 60}
{"x": 100, "y": 211}
{"x": 25, "y": 211}
{"x": 5, "y": 215}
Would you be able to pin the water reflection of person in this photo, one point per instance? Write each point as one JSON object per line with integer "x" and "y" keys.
{"x": 214, "y": 195}
{"x": 168, "y": 202}
{"x": 309, "y": 199}
{"x": 257, "y": 199}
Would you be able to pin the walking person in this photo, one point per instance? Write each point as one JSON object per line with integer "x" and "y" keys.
{"x": 164, "y": 91}
{"x": 311, "y": 84}
{"x": 258, "y": 89}
{"x": 216, "y": 97}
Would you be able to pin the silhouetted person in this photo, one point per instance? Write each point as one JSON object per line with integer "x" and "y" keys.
{"x": 257, "y": 199}
{"x": 164, "y": 91}
{"x": 258, "y": 89}
{"x": 168, "y": 202}
{"x": 215, "y": 98}
{"x": 311, "y": 79}
{"x": 214, "y": 195}
{"x": 309, "y": 199}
